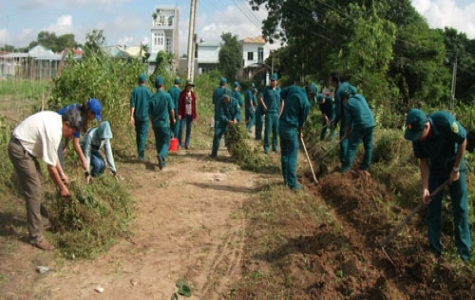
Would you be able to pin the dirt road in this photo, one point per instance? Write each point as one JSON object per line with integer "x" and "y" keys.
{"x": 188, "y": 224}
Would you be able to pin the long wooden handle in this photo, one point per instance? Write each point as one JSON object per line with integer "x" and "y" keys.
{"x": 410, "y": 215}
{"x": 309, "y": 162}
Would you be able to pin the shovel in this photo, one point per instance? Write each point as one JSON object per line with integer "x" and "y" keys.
{"x": 309, "y": 161}
{"x": 322, "y": 168}
{"x": 398, "y": 228}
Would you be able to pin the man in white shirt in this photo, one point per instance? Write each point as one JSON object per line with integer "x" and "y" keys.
{"x": 38, "y": 136}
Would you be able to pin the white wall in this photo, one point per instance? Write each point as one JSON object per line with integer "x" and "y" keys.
{"x": 254, "y": 49}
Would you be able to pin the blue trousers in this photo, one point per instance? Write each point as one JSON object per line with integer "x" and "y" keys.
{"x": 258, "y": 120}
{"x": 162, "y": 141}
{"x": 97, "y": 163}
{"x": 458, "y": 195}
{"x": 271, "y": 125}
{"x": 141, "y": 130}
{"x": 219, "y": 131}
{"x": 188, "y": 121}
{"x": 357, "y": 135}
{"x": 289, "y": 148}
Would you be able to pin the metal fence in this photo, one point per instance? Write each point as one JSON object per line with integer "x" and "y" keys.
{"x": 28, "y": 68}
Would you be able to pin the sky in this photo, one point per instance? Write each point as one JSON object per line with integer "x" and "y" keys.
{"x": 128, "y": 22}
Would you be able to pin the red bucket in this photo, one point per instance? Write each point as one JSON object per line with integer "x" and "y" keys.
{"x": 173, "y": 145}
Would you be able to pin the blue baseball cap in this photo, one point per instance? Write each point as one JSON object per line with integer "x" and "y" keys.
{"x": 159, "y": 81}
{"x": 274, "y": 77}
{"x": 415, "y": 122}
{"x": 95, "y": 107}
{"x": 236, "y": 84}
{"x": 223, "y": 81}
{"x": 177, "y": 81}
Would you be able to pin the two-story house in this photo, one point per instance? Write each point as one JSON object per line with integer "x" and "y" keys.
{"x": 164, "y": 32}
{"x": 254, "y": 53}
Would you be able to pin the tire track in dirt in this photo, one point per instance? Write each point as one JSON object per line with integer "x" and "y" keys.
{"x": 229, "y": 260}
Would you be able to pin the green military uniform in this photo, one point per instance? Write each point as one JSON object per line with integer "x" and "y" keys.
{"x": 224, "y": 113}
{"x": 340, "y": 116}
{"x": 174, "y": 92}
{"x": 161, "y": 105}
{"x": 237, "y": 95}
{"x": 272, "y": 100}
{"x": 259, "y": 113}
{"x": 358, "y": 116}
{"x": 220, "y": 91}
{"x": 294, "y": 115}
{"x": 440, "y": 148}
{"x": 139, "y": 100}
{"x": 249, "y": 106}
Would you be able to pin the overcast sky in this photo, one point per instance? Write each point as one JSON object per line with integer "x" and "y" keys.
{"x": 128, "y": 22}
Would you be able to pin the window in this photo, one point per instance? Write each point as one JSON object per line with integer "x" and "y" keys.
{"x": 170, "y": 21}
{"x": 162, "y": 20}
{"x": 250, "y": 55}
{"x": 158, "y": 39}
{"x": 260, "y": 55}
{"x": 169, "y": 44}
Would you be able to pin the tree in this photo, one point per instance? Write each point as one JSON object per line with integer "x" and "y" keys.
{"x": 459, "y": 48}
{"x": 94, "y": 42}
{"x": 230, "y": 59}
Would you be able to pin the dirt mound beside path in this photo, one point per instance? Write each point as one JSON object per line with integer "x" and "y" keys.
{"x": 362, "y": 207}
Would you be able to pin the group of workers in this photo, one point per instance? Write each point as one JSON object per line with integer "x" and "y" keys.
{"x": 439, "y": 141}
{"x": 169, "y": 112}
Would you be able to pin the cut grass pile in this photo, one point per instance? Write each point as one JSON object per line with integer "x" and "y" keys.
{"x": 88, "y": 222}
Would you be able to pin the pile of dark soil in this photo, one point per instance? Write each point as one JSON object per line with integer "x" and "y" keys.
{"x": 363, "y": 209}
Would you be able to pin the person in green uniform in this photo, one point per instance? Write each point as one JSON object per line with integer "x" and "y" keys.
{"x": 237, "y": 93}
{"x": 328, "y": 115}
{"x": 250, "y": 107}
{"x": 139, "y": 100}
{"x": 175, "y": 91}
{"x": 273, "y": 108}
{"x": 161, "y": 109}
{"x": 439, "y": 141}
{"x": 227, "y": 113}
{"x": 359, "y": 126}
{"x": 294, "y": 114}
{"x": 220, "y": 91}
{"x": 339, "y": 115}
{"x": 258, "y": 114}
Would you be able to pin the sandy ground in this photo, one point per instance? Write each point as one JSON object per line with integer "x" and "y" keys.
{"x": 188, "y": 224}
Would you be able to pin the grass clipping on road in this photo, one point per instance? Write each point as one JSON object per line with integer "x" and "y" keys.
{"x": 87, "y": 223}
{"x": 246, "y": 157}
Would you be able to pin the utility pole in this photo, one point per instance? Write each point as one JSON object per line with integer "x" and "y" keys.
{"x": 191, "y": 35}
{"x": 454, "y": 82}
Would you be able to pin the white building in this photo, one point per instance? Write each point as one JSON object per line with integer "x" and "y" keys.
{"x": 207, "y": 57}
{"x": 164, "y": 31}
{"x": 255, "y": 51}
